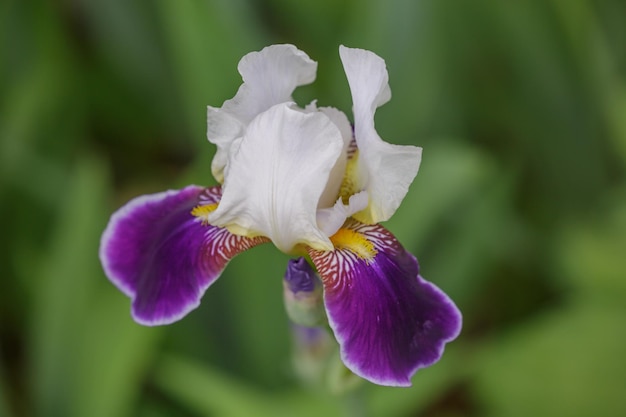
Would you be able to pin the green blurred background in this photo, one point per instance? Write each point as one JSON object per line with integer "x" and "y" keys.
{"x": 518, "y": 212}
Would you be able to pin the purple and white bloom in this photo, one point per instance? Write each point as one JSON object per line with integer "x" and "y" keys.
{"x": 312, "y": 184}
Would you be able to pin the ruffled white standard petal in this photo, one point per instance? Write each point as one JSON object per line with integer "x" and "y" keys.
{"x": 270, "y": 77}
{"x": 277, "y": 175}
{"x": 384, "y": 170}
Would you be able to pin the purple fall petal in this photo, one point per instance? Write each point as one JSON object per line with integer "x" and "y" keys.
{"x": 387, "y": 319}
{"x": 162, "y": 257}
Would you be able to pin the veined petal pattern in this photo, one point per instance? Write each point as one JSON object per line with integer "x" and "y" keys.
{"x": 388, "y": 320}
{"x": 162, "y": 257}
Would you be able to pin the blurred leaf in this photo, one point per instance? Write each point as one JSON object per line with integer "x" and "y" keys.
{"x": 205, "y": 40}
{"x": 429, "y": 386}
{"x": 568, "y": 363}
{"x": 86, "y": 358}
{"x": 450, "y": 174}
{"x": 590, "y": 255}
{"x": 207, "y": 392}
{"x": 557, "y": 122}
{"x": 36, "y": 96}
{"x": 113, "y": 356}
{"x": 302, "y": 20}
{"x": 4, "y": 395}
{"x": 63, "y": 290}
{"x": 254, "y": 309}
{"x": 423, "y": 94}
{"x": 481, "y": 230}
{"x": 457, "y": 216}
{"x": 125, "y": 36}
{"x": 616, "y": 109}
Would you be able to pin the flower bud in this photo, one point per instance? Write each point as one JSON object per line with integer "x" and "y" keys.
{"x": 302, "y": 293}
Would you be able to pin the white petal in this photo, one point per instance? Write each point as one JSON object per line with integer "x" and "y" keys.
{"x": 340, "y": 119}
{"x": 385, "y": 170}
{"x": 222, "y": 129}
{"x": 277, "y": 175}
{"x": 336, "y": 116}
{"x": 331, "y": 219}
{"x": 270, "y": 77}
{"x": 336, "y": 175}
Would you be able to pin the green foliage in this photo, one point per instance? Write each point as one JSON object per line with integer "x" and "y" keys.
{"x": 518, "y": 212}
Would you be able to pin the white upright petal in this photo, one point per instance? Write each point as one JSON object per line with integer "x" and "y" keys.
{"x": 270, "y": 77}
{"x": 384, "y": 170}
{"x": 277, "y": 175}
{"x": 329, "y": 196}
{"x": 336, "y": 175}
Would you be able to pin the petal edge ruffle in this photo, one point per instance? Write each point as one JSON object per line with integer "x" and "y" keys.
{"x": 269, "y": 77}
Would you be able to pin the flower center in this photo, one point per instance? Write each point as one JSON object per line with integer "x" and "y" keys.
{"x": 202, "y": 212}
{"x": 355, "y": 242}
{"x": 348, "y": 184}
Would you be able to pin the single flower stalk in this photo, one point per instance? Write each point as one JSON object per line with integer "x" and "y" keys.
{"x": 313, "y": 350}
{"x": 312, "y": 184}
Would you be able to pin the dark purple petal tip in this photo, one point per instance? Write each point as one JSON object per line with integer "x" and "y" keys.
{"x": 388, "y": 320}
{"x": 150, "y": 250}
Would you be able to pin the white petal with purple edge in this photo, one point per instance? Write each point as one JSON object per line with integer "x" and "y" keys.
{"x": 384, "y": 170}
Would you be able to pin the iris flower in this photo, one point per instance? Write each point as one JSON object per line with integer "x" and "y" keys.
{"x": 314, "y": 185}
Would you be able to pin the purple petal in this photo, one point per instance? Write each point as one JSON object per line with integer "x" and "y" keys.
{"x": 164, "y": 258}
{"x": 387, "y": 319}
